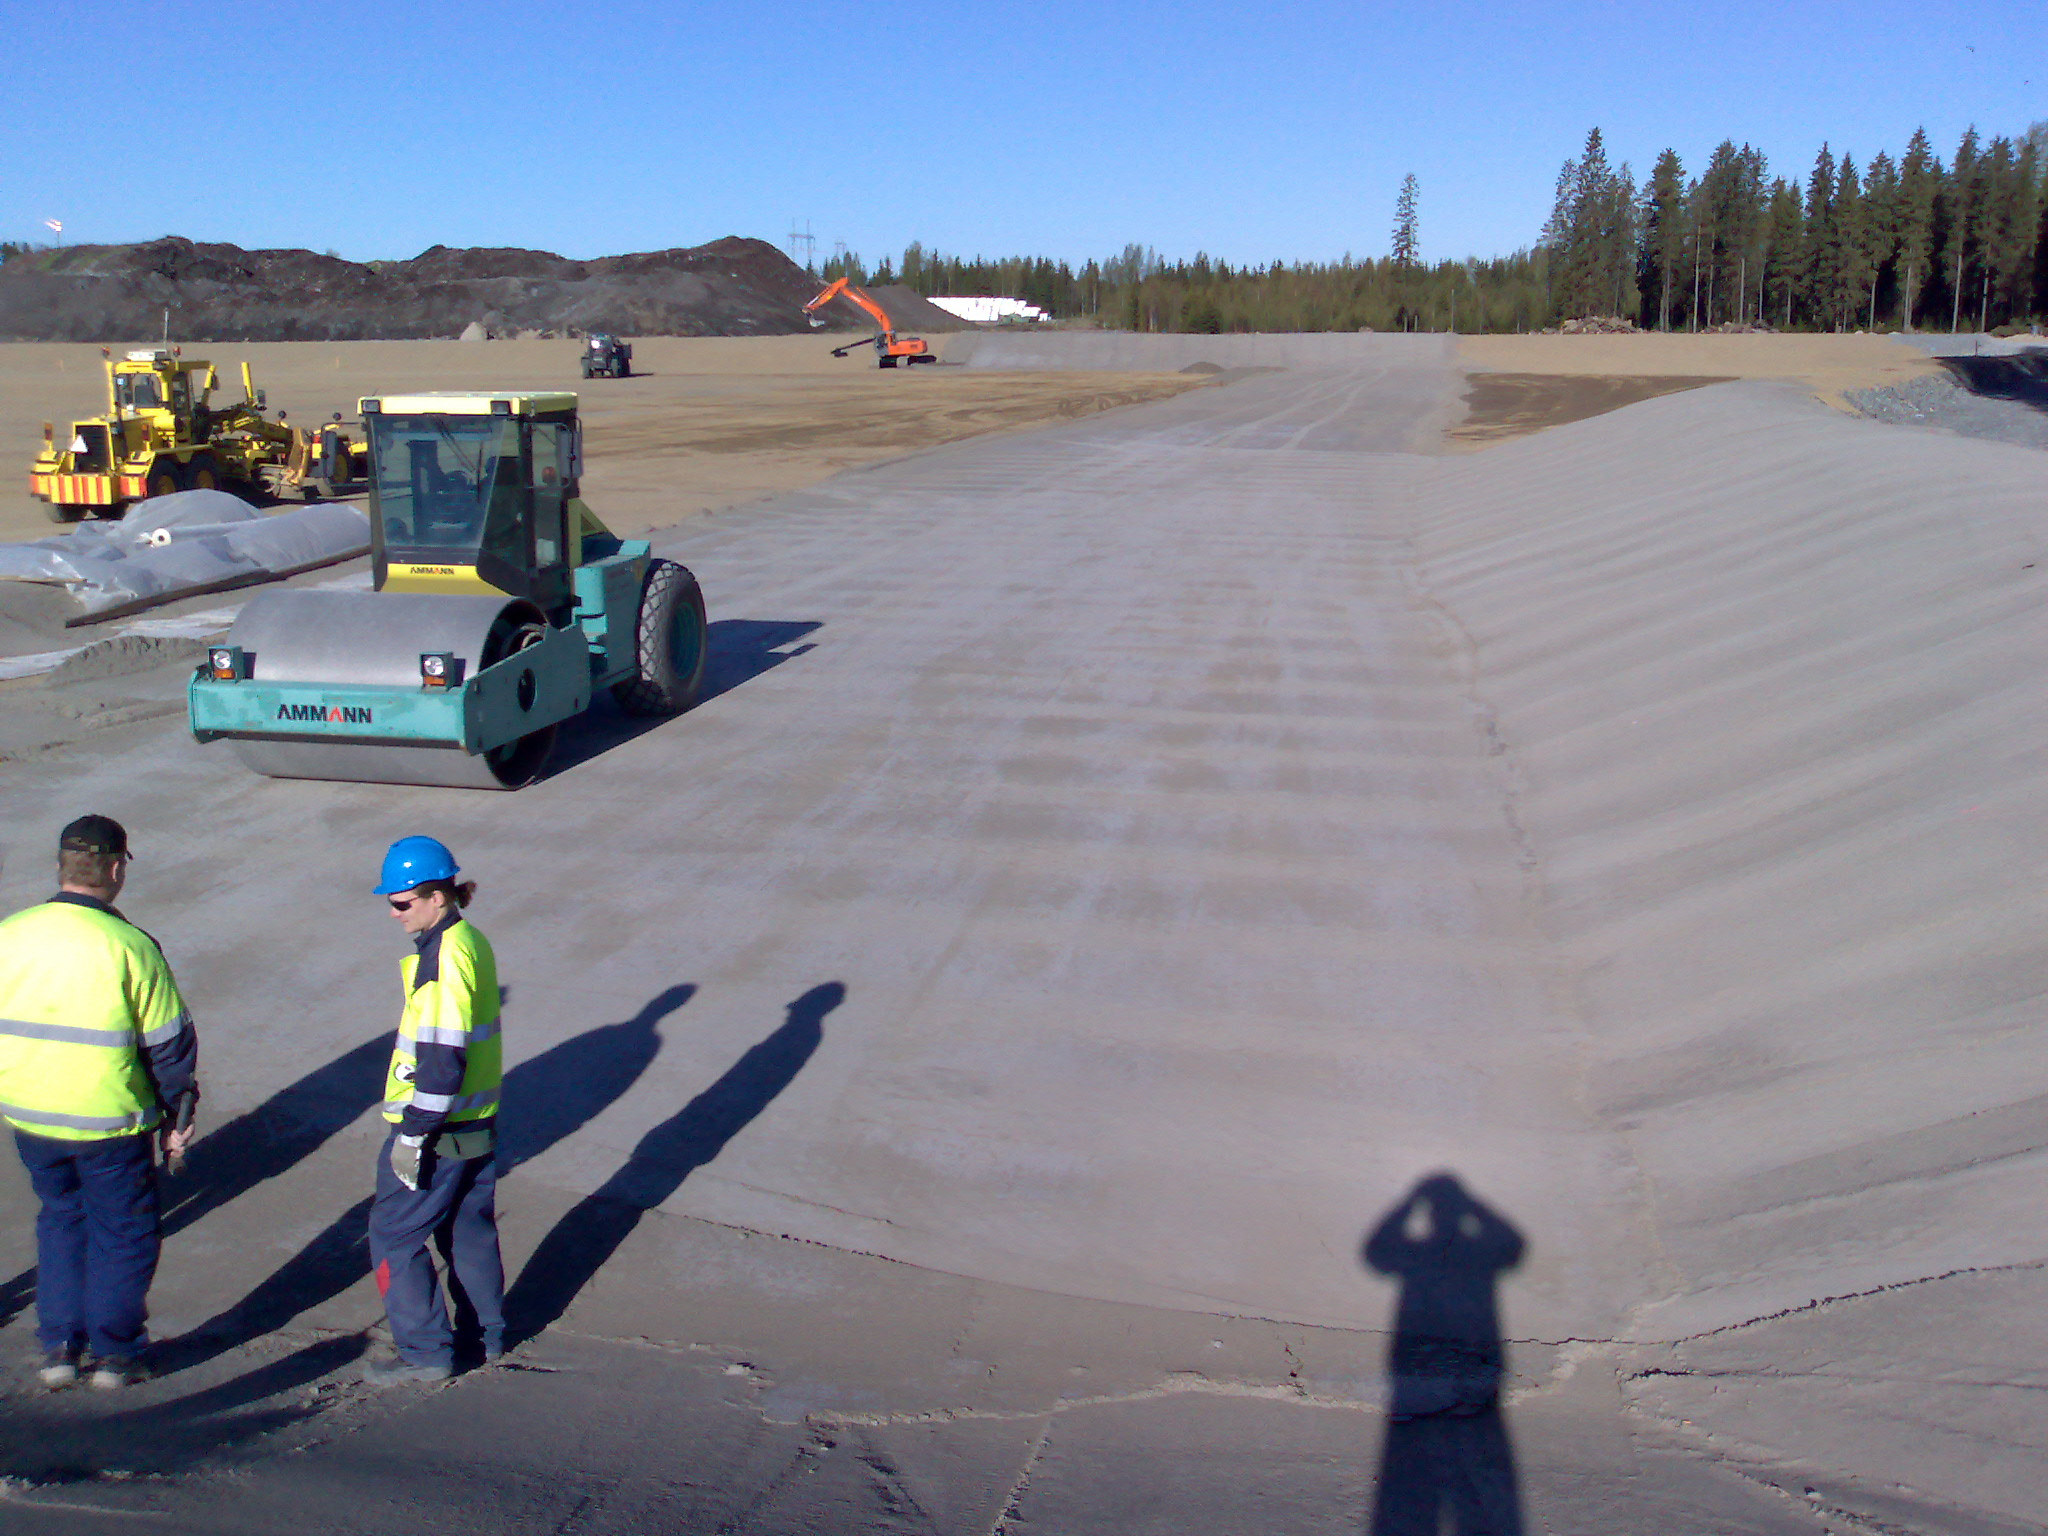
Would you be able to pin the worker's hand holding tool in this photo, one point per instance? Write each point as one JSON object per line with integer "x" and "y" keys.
{"x": 178, "y": 1132}
{"x": 406, "y": 1155}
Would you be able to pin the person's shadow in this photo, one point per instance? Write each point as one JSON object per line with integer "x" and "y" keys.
{"x": 257, "y": 1145}
{"x": 581, "y": 1243}
{"x": 546, "y": 1099}
{"x": 1447, "y": 1467}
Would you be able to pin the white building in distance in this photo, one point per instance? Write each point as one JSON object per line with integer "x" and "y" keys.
{"x": 991, "y": 311}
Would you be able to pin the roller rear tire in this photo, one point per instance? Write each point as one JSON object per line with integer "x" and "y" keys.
{"x": 670, "y": 644}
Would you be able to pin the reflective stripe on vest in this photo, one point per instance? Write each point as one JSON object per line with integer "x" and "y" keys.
{"x": 440, "y": 1102}
{"x": 83, "y": 994}
{"x": 71, "y": 1034}
{"x": 141, "y": 1120}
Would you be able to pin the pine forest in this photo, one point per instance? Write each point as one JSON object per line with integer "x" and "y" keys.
{"x": 1905, "y": 242}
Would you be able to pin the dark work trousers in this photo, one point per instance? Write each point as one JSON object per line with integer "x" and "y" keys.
{"x": 456, "y": 1209}
{"x": 97, "y": 1240}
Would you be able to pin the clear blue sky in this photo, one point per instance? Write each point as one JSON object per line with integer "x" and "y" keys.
{"x": 1251, "y": 131}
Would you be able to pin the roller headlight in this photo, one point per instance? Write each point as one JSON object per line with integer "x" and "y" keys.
{"x": 439, "y": 669}
{"x": 227, "y": 663}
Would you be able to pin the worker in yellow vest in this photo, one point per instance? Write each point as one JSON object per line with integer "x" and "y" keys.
{"x": 437, "y": 1175}
{"x": 98, "y": 1064}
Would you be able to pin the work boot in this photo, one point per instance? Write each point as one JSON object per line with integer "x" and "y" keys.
{"x": 59, "y": 1368}
{"x": 113, "y": 1374}
{"x": 396, "y": 1372}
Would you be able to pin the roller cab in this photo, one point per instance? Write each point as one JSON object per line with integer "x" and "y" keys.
{"x": 501, "y": 604}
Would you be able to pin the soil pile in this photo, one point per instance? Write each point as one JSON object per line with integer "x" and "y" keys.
{"x": 117, "y": 293}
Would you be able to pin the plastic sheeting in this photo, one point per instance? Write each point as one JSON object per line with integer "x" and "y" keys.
{"x": 193, "y": 540}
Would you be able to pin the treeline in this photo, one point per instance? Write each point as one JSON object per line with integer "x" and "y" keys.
{"x": 1140, "y": 290}
{"x": 1911, "y": 242}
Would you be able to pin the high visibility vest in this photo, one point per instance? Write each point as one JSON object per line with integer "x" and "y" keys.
{"x": 82, "y": 994}
{"x": 457, "y": 1005}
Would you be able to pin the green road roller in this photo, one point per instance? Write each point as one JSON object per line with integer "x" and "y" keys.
{"x": 501, "y": 605}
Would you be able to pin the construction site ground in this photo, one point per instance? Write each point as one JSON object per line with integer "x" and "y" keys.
{"x": 975, "y": 1072}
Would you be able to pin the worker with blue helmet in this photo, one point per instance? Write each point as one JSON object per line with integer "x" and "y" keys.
{"x": 437, "y": 1174}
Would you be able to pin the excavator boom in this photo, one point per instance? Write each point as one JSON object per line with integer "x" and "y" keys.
{"x": 890, "y": 348}
{"x": 842, "y": 287}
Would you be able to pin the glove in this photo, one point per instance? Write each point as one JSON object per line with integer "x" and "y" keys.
{"x": 176, "y": 1132}
{"x": 406, "y": 1155}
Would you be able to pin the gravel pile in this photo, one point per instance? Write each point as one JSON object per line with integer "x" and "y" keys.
{"x": 1941, "y": 402}
{"x": 731, "y": 287}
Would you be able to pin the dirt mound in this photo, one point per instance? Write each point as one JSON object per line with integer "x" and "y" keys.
{"x": 118, "y": 293}
{"x": 1594, "y": 325}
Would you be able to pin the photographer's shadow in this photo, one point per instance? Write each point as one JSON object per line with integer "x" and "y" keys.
{"x": 1447, "y": 1467}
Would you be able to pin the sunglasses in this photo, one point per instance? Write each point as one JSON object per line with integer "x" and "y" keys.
{"x": 402, "y": 906}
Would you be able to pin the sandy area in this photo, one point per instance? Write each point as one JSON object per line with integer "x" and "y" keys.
{"x": 709, "y": 422}
{"x": 1827, "y": 365}
{"x": 1502, "y": 406}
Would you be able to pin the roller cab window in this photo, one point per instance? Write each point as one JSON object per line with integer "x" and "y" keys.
{"x": 479, "y": 491}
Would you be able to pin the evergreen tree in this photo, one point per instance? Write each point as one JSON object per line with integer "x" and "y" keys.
{"x": 1715, "y": 202}
{"x": 1407, "y": 247}
{"x": 1591, "y": 235}
{"x": 1784, "y": 268}
{"x": 1748, "y": 206}
{"x": 1849, "y": 247}
{"x": 1818, "y": 286}
{"x": 1881, "y": 225}
{"x": 2009, "y": 220}
{"x": 1955, "y": 218}
{"x": 1919, "y": 175}
{"x": 1664, "y": 234}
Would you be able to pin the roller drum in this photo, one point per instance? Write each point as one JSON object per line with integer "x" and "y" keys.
{"x": 375, "y": 638}
{"x": 349, "y": 638}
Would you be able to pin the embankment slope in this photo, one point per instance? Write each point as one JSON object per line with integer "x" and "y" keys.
{"x": 1769, "y": 683}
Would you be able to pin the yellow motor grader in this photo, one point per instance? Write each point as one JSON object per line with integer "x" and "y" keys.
{"x": 161, "y": 434}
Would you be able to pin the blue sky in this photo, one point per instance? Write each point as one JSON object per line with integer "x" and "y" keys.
{"x": 1254, "y": 132}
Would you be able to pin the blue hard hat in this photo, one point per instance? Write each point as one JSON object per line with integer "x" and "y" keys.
{"x": 414, "y": 861}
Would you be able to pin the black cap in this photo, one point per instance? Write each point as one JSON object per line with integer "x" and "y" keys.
{"x": 94, "y": 834}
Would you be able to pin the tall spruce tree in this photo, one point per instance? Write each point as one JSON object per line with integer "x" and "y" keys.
{"x": 1664, "y": 234}
{"x": 1956, "y": 218}
{"x": 1818, "y": 285}
{"x": 1919, "y": 176}
{"x": 1784, "y": 250}
{"x": 1849, "y": 242}
{"x": 2008, "y": 232}
{"x": 1407, "y": 243}
{"x": 1881, "y": 225}
{"x": 1591, "y": 234}
{"x": 1714, "y": 202}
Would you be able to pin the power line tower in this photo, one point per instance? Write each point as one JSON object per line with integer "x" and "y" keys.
{"x": 806, "y": 240}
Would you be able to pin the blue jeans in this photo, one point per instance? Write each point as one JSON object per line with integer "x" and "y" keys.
{"x": 455, "y": 1209}
{"x": 97, "y": 1240}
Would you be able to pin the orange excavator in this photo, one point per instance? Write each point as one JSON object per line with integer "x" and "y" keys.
{"x": 890, "y": 348}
